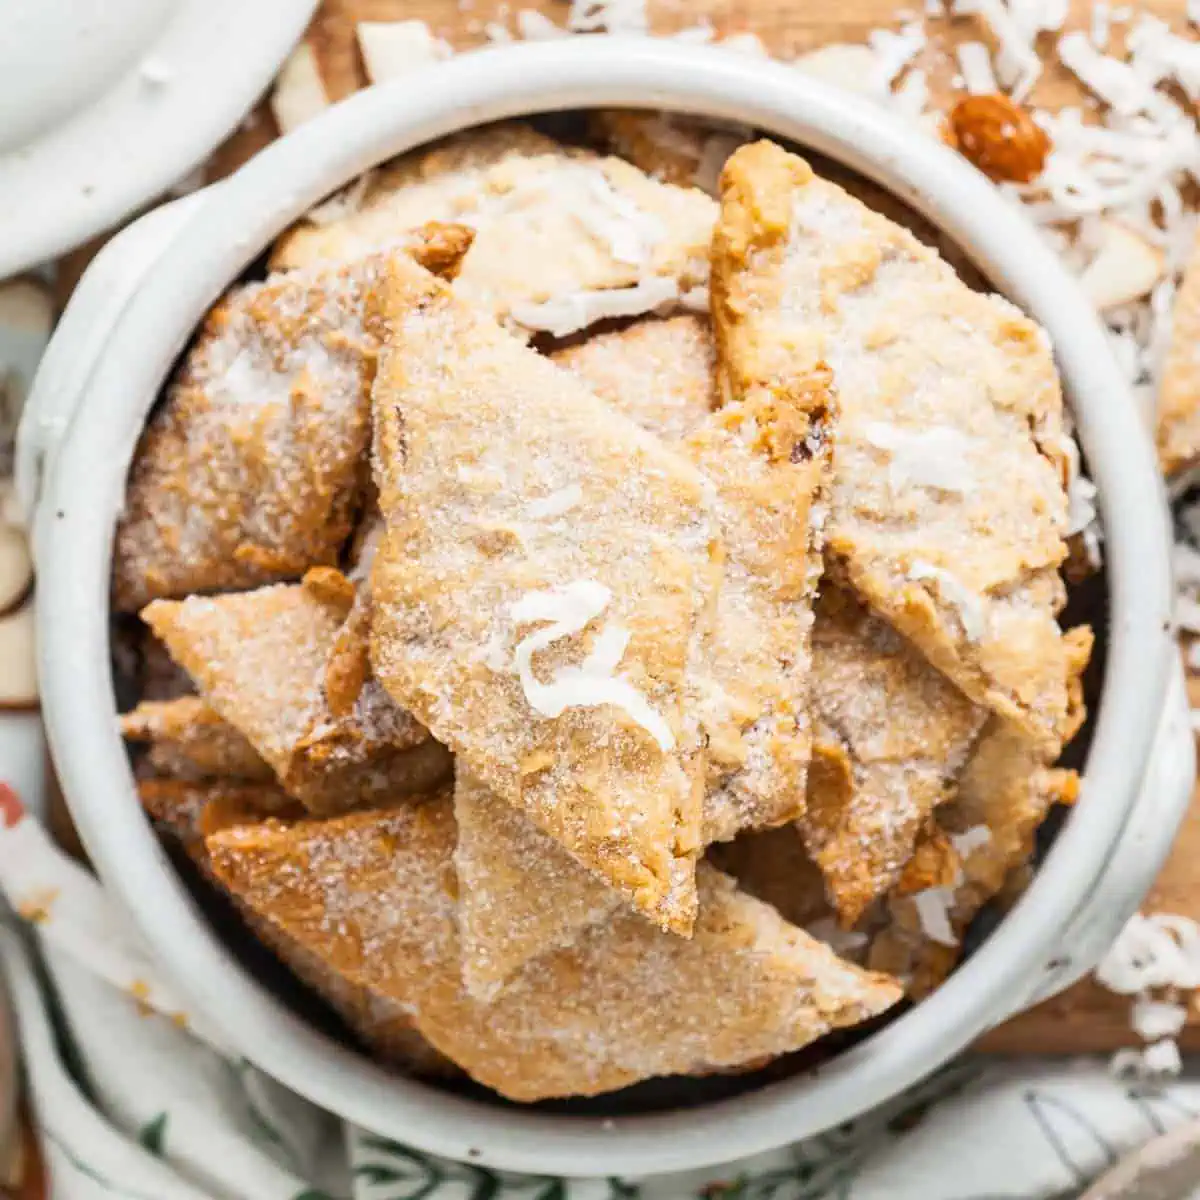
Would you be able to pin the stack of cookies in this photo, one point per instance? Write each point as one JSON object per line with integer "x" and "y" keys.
{"x": 617, "y": 625}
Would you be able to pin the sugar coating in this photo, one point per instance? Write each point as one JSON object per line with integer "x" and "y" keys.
{"x": 1007, "y": 787}
{"x": 188, "y": 811}
{"x": 372, "y": 895}
{"x": 251, "y": 469}
{"x": 471, "y": 428}
{"x": 259, "y": 660}
{"x": 550, "y": 221}
{"x": 802, "y": 272}
{"x": 767, "y": 461}
{"x": 520, "y": 893}
{"x": 892, "y": 735}
{"x": 891, "y": 731}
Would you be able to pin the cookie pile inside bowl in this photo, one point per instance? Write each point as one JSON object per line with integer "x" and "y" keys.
{"x": 596, "y": 631}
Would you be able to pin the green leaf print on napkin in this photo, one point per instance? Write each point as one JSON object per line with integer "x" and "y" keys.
{"x": 151, "y": 1134}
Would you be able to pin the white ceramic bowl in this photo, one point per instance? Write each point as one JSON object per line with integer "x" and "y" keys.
{"x": 136, "y": 311}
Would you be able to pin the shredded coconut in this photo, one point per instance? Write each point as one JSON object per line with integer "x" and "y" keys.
{"x": 1155, "y": 1063}
{"x": 1155, "y": 951}
{"x": 616, "y": 220}
{"x": 970, "y": 607}
{"x": 569, "y": 313}
{"x": 535, "y": 26}
{"x": 556, "y": 503}
{"x": 1017, "y": 64}
{"x": 933, "y": 907}
{"x": 299, "y": 93}
{"x": 933, "y": 458}
{"x": 393, "y": 49}
{"x": 845, "y": 942}
{"x": 1155, "y": 1019}
{"x": 895, "y": 50}
{"x": 975, "y": 63}
{"x": 569, "y": 610}
{"x": 1113, "y": 81}
{"x": 966, "y": 843}
{"x": 611, "y": 16}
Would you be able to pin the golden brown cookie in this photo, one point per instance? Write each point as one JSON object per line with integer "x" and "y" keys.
{"x": 259, "y": 659}
{"x": 625, "y": 1002}
{"x": 947, "y": 510}
{"x": 540, "y": 592}
{"x": 520, "y": 894}
{"x": 252, "y": 468}
{"x": 189, "y": 812}
{"x": 561, "y": 234}
{"x": 986, "y": 833}
{"x": 892, "y": 735}
{"x": 189, "y": 739}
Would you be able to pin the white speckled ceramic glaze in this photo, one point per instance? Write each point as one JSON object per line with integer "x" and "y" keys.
{"x": 136, "y": 310}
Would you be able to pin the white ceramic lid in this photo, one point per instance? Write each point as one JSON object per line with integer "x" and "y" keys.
{"x": 104, "y": 104}
{"x": 125, "y": 327}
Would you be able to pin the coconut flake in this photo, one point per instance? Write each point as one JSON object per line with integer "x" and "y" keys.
{"x": 966, "y": 843}
{"x": 933, "y": 458}
{"x": 393, "y": 49}
{"x": 1152, "y": 951}
{"x": 1113, "y": 81}
{"x": 569, "y": 610}
{"x": 556, "y": 503}
{"x": 975, "y": 63}
{"x": 1100, "y": 24}
{"x": 611, "y": 16}
{"x": 933, "y": 907}
{"x": 744, "y": 43}
{"x": 969, "y": 606}
{"x": 1155, "y": 1019}
{"x": 844, "y": 942}
{"x": 612, "y": 218}
{"x": 299, "y": 93}
{"x": 895, "y": 50}
{"x": 1017, "y": 64}
{"x": 566, "y": 314}
{"x": 1155, "y": 1063}
{"x": 699, "y": 34}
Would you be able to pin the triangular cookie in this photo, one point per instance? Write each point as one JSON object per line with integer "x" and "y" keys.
{"x": 563, "y": 236}
{"x": 259, "y": 659}
{"x": 625, "y": 1002}
{"x": 541, "y": 593}
{"x": 948, "y": 510}
{"x": 251, "y": 469}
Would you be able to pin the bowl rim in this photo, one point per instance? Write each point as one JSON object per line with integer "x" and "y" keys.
{"x": 227, "y": 232}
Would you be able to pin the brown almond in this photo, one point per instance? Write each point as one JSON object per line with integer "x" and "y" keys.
{"x": 999, "y": 137}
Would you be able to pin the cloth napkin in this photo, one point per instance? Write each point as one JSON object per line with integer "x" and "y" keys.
{"x": 137, "y": 1096}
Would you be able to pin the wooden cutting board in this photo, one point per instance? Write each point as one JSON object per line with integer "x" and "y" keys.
{"x": 1086, "y": 1018}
